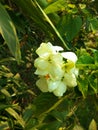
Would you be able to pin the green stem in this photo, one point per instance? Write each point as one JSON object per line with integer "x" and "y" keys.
{"x": 92, "y": 66}
{"x": 44, "y": 114}
{"x": 52, "y": 25}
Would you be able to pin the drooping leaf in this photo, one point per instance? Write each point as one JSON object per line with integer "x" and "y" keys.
{"x": 13, "y": 113}
{"x": 8, "y": 32}
{"x": 4, "y": 125}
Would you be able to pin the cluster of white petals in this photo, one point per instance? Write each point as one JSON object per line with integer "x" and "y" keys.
{"x": 56, "y": 69}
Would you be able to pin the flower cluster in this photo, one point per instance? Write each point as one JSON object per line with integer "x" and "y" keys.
{"x": 56, "y": 69}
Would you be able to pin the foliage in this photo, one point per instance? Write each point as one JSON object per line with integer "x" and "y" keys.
{"x": 8, "y": 32}
{"x": 70, "y": 24}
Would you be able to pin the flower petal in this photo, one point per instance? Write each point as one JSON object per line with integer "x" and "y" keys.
{"x": 57, "y": 59}
{"x": 70, "y": 79}
{"x": 41, "y": 63}
{"x": 61, "y": 89}
{"x": 45, "y": 50}
{"x": 42, "y": 84}
{"x": 58, "y": 48}
{"x": 69, "y": 56}
{"x": 56, "y": 72}
{"x": 52, "y": 85}
{"x": 41, "y": 72}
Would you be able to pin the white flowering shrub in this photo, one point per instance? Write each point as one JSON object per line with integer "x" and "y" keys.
{"x": 56, "y": 69}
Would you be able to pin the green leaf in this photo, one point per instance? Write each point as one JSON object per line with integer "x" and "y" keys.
{"x": 30, "y": 9}
{"x": 52, "y": 25}
{"x": 70, "y": 26}
{"x": 60, "y": 116}
{"x": 28, "y": 113}
{"x": 94, "y": 24}
{"x": 30, "y": 125}
{"x": 36, "y": 13}
{"x": 77, "y": 127}
{"x": 43, "y": 3}
{"x": 13, "y": 113}
{"x": 3, "y": 106}
{"x": 93, "y": 80}
{"x": 54, "y": 125}
{"x": 4, "y": 125}
{"x": 83, "y": 86}
{"x": 8, "y": 32}
{"x": 56, "y": 6}
{"x": 43, "y": 102}
{"x": 85, "y": 59}
{"x": 93, "y": 125}
{"x": 5, "y": 92}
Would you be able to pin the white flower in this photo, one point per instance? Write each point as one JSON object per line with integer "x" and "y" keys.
{"x": 42, "y": 66}
{"x": 55, "y": 73}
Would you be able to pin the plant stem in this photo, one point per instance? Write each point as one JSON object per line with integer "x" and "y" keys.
{"x": 52, "y": 25}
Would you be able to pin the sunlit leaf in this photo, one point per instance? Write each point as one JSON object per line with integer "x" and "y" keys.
{"x": 4, "y": 125}
{"x": 56, "y": 6}
{"x": 5, "y": 92}
{"x": 13, "y": 113}
{"x": 85, "y": 59}
{"x": 78, "y": 127}
{"x": 93, "y": 125}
